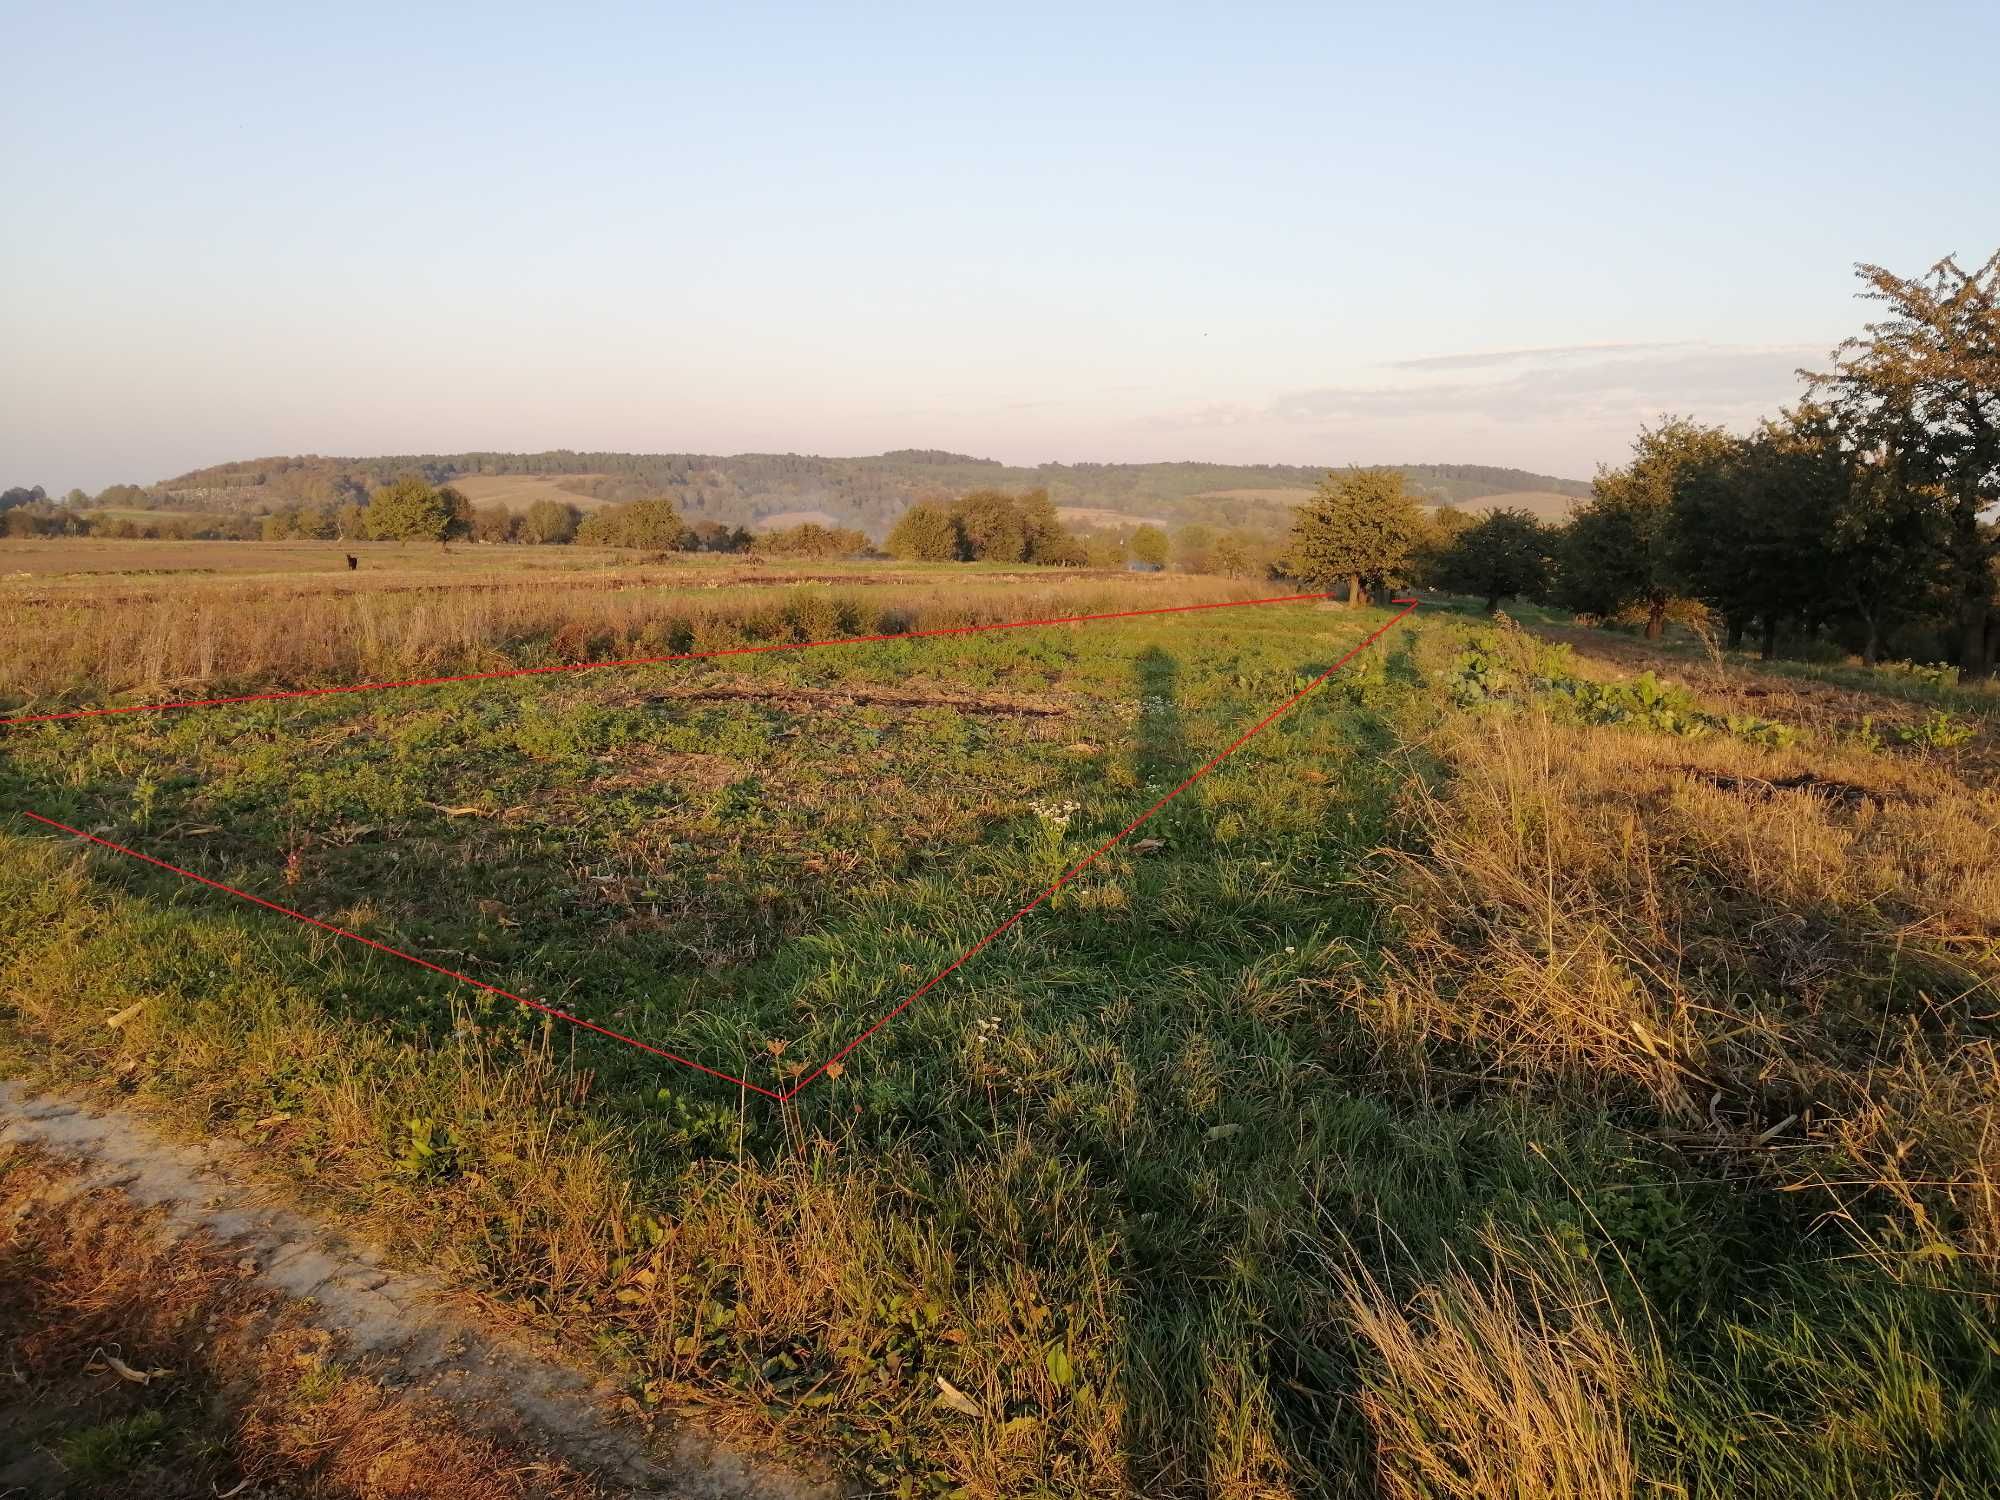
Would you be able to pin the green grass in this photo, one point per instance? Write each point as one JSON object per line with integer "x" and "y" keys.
{"x": 1110, "y": 1181}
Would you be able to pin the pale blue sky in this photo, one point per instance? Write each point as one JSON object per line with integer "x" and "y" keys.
{"x": 1299, "y": 234}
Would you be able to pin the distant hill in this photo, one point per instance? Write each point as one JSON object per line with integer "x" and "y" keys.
{"x": 758, "y": 488}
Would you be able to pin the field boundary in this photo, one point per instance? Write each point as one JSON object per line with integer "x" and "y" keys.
{"x": 831, "y": 1064}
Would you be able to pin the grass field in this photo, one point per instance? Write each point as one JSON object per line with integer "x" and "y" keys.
{"x": 519, "y": 491}
{"x": 1543, "y": 503}
{"x": 1506, "y": 1076}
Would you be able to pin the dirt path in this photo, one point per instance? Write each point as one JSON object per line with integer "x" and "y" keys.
{"x": 401, "y": 1323}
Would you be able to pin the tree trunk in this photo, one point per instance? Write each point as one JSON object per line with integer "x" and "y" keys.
{"x": 1871, "y": 643}
{"x": 1492, "y": 603}
{"x": 1355, "y": 598}
{"x": 1770, "y": 645}
{"x": 1737, "y": 625}
{"x": 1656, "y": 622}
{"x": 1974, "y": 612}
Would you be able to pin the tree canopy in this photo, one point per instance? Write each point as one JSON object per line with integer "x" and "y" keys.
{"x": 1500, "y": 556}
{"x": 1921, "y": 388}
{"x": 1359, "y": 528}
{"x": 651, "y": 525}
{"x": 411, "y": 509}
{"x": 1618, "y": 549}
{"x": 925, "y": 533}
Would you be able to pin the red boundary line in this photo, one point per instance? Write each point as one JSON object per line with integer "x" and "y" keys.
{"x": 648, "y": 661}
{"x": 562, "y": 1015}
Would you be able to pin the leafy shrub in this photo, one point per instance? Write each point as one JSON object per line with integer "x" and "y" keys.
{"x": 1939, "y": 731}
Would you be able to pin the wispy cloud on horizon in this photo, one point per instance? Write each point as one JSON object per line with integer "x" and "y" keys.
{"x": 1584, "y": 401}
{"x": 1484, "y": 359}
{"x": 1714, "y": 383}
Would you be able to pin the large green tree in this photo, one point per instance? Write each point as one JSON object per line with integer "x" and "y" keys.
{"x": 1049, "y": 541}
{"x": 1922, "y": 388}
{"x": 993, "y": 526}
{"x": 549, "y": 523}
{"x": 1617, "y": 551}
{"x": 1498, "y": 556}
{"x": 652, "y": 525}
{"x": 410, "y": 509}
{"x": 925, "y": 533}
{"x": 495, "y": 523}
{"x": 1149, "y": 545}
{"x": 1359, "y": 528}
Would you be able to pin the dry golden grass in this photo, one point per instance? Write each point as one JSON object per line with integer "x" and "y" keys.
{"x": 86, "y": 648}
{"x": 1648, "y": 921}
{"x": 37, "y": 565}
{"x": 1544, "y": 503}
{"x": 519, "y": 491}
{"x": 1514, "y": 1381}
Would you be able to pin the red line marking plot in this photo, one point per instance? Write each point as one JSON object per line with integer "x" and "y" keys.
{"x": 1409, "y": 605}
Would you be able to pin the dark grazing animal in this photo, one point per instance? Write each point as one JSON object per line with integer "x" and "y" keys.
{"x": 353, "y": 562}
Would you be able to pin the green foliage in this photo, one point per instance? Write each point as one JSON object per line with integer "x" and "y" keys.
{"x": 495, "y": 523}
{"x": 1921, "y": 388}
{"x": 1360, "y": 527}
{"x": 112, "y": 1450}
{"x": 1617, "y": 551}
{"x": 1495, "y": 558}
{"x": 550, "y": 523}
{"x": 651, "y": 525}
{"x": 925, "y": 533}
{"x": 429, "y": 1151}
{"x": 811, "y": 540}
{"x": 1938, "y": 730}
{"x": 1503, "y": 667}
{"x": 1149, "y": 545}
{"x": 412, "y": 510}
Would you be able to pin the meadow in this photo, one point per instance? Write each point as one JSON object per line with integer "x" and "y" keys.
{"x": 1512, "y": 1073}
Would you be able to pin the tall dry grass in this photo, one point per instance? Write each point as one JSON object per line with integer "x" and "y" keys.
{"x": 1653, "y": 923}
{"x": 63, "y": 651}
{"x": 1512, "y": 1381}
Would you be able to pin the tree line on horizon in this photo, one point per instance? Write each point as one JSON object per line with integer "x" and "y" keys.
{"x": 1864, "y": 515}
{"x": 1868, "y": 514}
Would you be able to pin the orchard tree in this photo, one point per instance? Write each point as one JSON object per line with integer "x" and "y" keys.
{"x": 494, "y": 523}
{"x": 925, "y": 533}
{"x": 1194, "y": 548}
{"x": 1360, "y": 527}
{"x": 549, "y": 523}
{"x": 1232, "y": 555}
{"x": 1921, "y": 388}
{"x": 1049, "y": 541}
{"x": 1149, "y": 545}
{"x": 1617, "y": 551}
{"x": 993, "y": 526}
{"x": 1500, "y": 556}
{"x": 410, "y": 510}
{"x": 458, "y": 515}
{"x": 652, "y": 525}
{"x": 1887, "y": 548}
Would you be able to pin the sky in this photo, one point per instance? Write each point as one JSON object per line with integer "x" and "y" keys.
{"x": 1318, "y": 234}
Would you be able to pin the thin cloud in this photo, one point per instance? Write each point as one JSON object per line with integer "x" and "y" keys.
{"x": 1563, "y": 417}
{"x": 1487, "y": 359}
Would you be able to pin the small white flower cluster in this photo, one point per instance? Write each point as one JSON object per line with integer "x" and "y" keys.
{"x": 989, "y": 1031}
{"x": 1055, "y": 814}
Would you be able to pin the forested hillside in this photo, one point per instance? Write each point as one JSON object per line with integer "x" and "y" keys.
{"x": 866, "y": 492}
